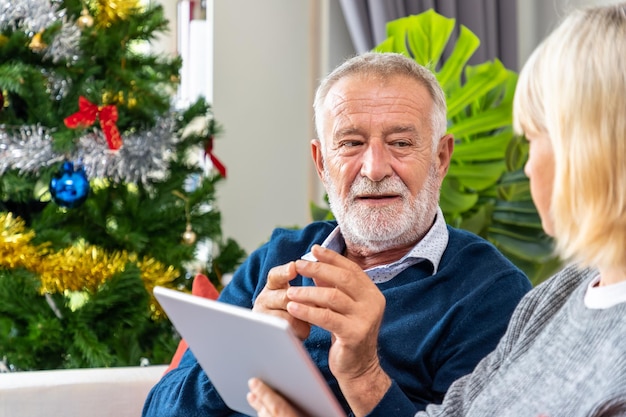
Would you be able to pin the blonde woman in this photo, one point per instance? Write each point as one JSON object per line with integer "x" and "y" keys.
{"x": 564, "y": 353}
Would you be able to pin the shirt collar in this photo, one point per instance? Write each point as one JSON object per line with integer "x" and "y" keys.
{"x": 430, "y": 248}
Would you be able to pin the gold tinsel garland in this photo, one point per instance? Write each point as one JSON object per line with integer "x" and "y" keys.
{"x": 81, "y": 267}
{"x": 15, "y": 248}
{"x": 108, "y": 11}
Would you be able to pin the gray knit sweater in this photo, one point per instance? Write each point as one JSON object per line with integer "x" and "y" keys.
{"x": 557, "y": 358}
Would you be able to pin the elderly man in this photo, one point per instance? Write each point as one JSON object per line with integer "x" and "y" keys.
{"x": 388, "y": 300}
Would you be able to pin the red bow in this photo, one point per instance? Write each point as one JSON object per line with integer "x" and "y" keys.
{"x": 208, "y": 150}
{"x": 86, "y": 116}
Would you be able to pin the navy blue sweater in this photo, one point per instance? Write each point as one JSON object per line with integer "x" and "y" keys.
{"x": 436, "y": 328}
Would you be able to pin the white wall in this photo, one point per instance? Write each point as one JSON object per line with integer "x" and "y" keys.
{"x": 261, "y": 91}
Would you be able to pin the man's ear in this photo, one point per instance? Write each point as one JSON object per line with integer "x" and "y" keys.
{"x": 444, "y": 154}
{"x": 318, "y": 158}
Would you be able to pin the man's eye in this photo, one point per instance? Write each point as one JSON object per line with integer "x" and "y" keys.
{"x": 401, "y": 144}
{"x": 351, "y": 143}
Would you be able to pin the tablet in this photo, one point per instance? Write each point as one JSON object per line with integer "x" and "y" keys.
{"x": 234, "y": 344}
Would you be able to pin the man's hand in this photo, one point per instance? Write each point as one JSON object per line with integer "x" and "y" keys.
{"x": 267, "y": 402}
{"x": 349, "y": 305}
{"x": 273, "y": 298}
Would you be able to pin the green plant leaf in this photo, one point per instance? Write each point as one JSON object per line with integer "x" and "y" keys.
{"x": 483, "y": 149}
{"x": 429, "y": 36}
{"x": 490, "y": 76}
{"x": 478, "y": 176}
{"x": 319, "y": 213}
{"x": 531, "y": 249}
{"x": 526, "y": 207}
{"x": 396, "y": 35}
{"x": 514, "y": 186}
{"x": 466, "y": 44}
{"x": 515, "y": 192}
{"x": 477, "y": 221}
{"x": 517, "y": 154}
{"x": 388, "y": 45}
{"x": 518, "y": 218}
{"x": 454, "y": 201}
{"x": 480, "y": 83}
{"x": 489, "y": 120}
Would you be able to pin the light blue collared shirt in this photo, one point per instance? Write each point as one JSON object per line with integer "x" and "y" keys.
{"x": 430, "y": 248}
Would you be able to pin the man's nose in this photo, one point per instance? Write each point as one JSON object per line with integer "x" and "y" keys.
{"x": 376, "y": 164}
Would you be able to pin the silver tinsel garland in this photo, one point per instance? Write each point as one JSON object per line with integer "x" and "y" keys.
{"x": 27, "y": 149}
{"x": 143, "y": 157}
{"x": 34, "y": 16}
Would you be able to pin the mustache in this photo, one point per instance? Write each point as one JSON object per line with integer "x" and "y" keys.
{"x": 389, "y": 185}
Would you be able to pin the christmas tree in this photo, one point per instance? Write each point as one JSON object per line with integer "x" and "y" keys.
{"x": 103, "y": 193}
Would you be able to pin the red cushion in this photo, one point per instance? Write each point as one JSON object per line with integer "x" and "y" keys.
{"x": 202, "y": 287}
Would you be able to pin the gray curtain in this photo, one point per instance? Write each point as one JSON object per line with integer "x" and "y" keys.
{"x": 493, "y": 21}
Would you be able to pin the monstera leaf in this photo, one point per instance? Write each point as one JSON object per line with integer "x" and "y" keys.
{"x": 485, "y": 190}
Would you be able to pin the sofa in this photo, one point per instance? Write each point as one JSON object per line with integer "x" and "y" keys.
{"x": 92, "y": 392}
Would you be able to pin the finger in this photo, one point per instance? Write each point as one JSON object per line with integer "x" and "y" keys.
{"x": 324, "y": 275}
{"x": 299, "y": 327}
{"x": 273, "y": 298}
{"x": 326, "y": 256}
{"x": 267, "y": 402}
{"x": 331, "y": 257}
{"x": 348, "y": 309}
{"x": 318, "y": 316}
{"x": 321, "y": 297}
{"x": 333, "y": 310}
{"x": 279, "y": 276}
{"x": 274, "y": 302}
{"x": 353, "y": 282}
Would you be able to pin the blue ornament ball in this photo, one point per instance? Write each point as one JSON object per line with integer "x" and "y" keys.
{"x": 69, "y": 187}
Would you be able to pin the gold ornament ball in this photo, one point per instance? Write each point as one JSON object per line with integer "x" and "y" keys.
{"x": 189, "y": 236}
{"x": 85, "y": 20}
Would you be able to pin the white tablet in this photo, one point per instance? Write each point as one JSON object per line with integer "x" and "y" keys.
{"x": 234, "y": 344}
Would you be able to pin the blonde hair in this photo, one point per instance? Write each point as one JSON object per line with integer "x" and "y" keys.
{"x": 386, "y": 66}
{"x": 573, "y": 89}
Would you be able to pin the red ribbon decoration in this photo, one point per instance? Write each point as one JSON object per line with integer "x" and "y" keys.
{"x": 86, "y": 116}
{"x": 208, "y": 150}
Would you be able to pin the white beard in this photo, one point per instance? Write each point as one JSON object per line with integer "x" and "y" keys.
{"x": 377, "y": 229}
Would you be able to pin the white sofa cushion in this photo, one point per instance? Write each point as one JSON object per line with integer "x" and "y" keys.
{"x": 95, "y": 392}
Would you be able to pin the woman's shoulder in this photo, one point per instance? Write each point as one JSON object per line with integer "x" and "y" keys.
{"x": 553, "y": 292}
{"x": 543, "y": 301}
{"x": 562, "y": 284}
